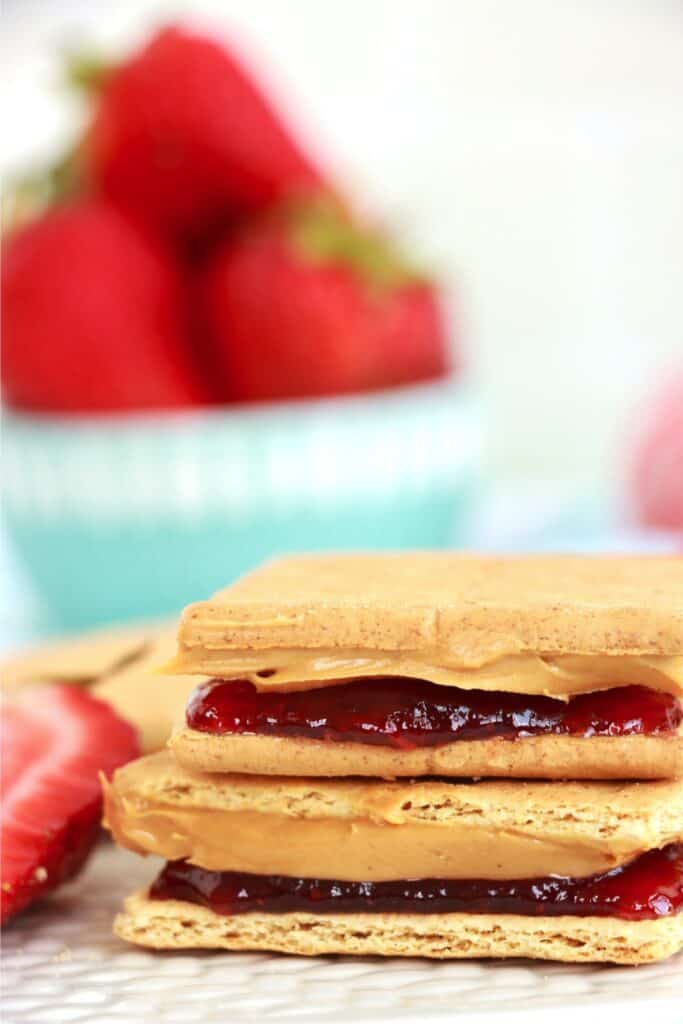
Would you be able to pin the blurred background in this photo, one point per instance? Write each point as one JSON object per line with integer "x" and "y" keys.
{"x": 530, "y": 155}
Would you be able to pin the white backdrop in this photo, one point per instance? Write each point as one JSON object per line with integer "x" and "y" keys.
{"x": 533, "y": 150}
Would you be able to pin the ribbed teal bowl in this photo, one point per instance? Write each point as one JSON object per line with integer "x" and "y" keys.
{"x": 135, "y": 516}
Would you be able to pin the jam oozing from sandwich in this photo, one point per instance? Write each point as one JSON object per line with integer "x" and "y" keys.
{"x": 649, "y": 887}
{"x": 410, "y": 713}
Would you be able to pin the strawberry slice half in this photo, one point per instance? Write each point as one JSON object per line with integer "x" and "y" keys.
{"x": 54, "y": 742}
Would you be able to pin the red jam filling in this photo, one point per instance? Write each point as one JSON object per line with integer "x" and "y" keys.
{"x": 651, "y": 886}
{"x": 409, "y": 713}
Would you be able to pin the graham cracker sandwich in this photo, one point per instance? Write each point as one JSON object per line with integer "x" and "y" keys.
{"x": 417, "y": 664}
{"x": 556, "y": 870}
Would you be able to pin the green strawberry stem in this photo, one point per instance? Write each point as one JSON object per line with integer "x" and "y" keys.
{"x": 324, "y": 233}
{"x": 29, "y": 194}
{"x": 86, "y": 71}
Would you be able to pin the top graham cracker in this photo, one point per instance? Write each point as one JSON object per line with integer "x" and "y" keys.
{"x": 477, "y": 607}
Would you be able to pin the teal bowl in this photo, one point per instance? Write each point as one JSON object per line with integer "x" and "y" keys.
{"x": 126, "y": 517}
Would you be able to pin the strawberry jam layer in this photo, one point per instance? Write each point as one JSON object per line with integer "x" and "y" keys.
{"x": 409, "y": 713}
{"x": 651, "y": 886}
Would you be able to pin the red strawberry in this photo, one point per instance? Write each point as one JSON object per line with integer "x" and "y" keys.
{"x": 184, "y": 137}
{"x": 309, "y": 304}
{"x": 658, "y": 470}
{"x": 92, "y": 317}
{"x": 55, "y": 740}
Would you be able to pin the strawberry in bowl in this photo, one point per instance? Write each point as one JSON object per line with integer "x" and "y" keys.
{"x": 184, "y": 137}
{"x": 93, "y": 317}
{"x": 307, "y": 302}
{"x": 210, "y": 359}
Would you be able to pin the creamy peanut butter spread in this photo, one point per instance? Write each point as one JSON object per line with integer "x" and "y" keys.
{"x": 362, "y": 848}
{"x": 560, "y": 676}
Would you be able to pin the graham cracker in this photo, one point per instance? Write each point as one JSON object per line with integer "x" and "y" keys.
{"x": 478, "y": 607}
{"x": 629, "y": 817}
{"x": 172, "y": 924}
{"x": 533, "y": 757}
{"x": 80, "y": 659}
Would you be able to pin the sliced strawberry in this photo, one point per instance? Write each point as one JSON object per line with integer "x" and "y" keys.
{"x": 54, "y": 741}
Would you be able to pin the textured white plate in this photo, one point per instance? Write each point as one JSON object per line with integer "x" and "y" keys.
{"x": 61, "y": 963}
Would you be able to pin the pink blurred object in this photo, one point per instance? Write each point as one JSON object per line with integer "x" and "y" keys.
{"x": 657, "y": 476}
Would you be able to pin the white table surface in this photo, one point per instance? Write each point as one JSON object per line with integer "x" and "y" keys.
{"x": 62, "y": 964}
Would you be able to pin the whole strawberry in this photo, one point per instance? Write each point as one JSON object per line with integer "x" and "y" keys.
{"x": 183, "y": 137}
{"x": 657, "y": 484}
{"x": 307, "y": 303}
{"x": 92, "y": 317}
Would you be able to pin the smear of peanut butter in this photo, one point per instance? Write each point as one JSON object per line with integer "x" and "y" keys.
{"x": 362, "y": 848}
{"x": 559, "y": 676}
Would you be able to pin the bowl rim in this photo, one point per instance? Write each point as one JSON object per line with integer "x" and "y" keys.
{"x": 450, "y": 387}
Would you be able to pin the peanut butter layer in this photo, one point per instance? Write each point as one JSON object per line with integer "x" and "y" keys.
{"x": 537, "y": 625}
{"x": 375, "y": 831}
{"x": 534, "y": 757}
{"x": 172, "y": 924}
{"x": 561, "y": 676}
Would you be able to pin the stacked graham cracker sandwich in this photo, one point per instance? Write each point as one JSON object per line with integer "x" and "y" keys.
{"x": 422, "y": 754}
